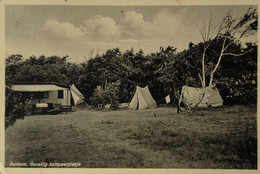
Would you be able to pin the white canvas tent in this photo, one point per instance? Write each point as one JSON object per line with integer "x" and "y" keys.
{"x": 193, "y": 97}
{"x": 142, "y": 99}
{"x": 78, "y": 98}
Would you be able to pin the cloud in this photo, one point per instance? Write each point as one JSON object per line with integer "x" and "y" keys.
{"x": 63, "y": 30}
{"x": 169, "y": 25}
{"x": 165, "y": 26}
{"x": 128, "y": 41}
{"x": 132, "y": 25}
{"x": 99, "y": 27}
{"x": 133, "y": 20}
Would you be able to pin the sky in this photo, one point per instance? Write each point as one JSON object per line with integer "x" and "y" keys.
{"x": 77, "y": 31}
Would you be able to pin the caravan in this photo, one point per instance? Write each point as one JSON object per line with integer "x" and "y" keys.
{"x": 49, "y": 96}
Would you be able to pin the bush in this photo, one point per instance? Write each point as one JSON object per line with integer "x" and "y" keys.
{"x": 107, "y": 96}
{"x": 14, "y": 110}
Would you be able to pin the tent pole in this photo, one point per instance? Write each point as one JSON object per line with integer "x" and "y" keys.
{"x": 71, "y": 98}
{"x": 67, "y": 100}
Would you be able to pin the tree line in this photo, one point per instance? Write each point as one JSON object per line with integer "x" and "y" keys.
{"x": 163, "y": 71}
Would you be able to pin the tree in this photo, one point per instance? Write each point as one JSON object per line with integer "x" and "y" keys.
{"x": 181, "y": 69}
{"x": 230, "y": 31}
{"x": 153, "y": 66}
{"x": 240, "y": 76}
{"x": 41, "y": 69}
{"x": 107, "y": 96}
{"x": 108, "y": 68}
{"x": 13, "y": 66}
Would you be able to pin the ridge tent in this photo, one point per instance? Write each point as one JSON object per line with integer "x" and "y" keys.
{"x": 142, "y": 99}
{"x": 78, "y": 98}
{"x": 193, "y": 97}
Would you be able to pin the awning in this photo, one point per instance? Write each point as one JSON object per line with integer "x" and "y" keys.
{"x": 36, "y": 88}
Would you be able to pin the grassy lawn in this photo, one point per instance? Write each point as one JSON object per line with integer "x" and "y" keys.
{"x": 215, "y": 138}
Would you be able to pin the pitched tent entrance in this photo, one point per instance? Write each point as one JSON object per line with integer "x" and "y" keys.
{"x": 194, "y": 97}
{"x": 142, "y": 99}
{"x": 76, "y": 95}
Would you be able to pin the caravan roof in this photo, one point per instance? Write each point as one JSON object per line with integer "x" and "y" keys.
{"x": 36, "y": 87}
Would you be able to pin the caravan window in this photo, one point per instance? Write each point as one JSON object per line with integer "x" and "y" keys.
{"x": 60, "y": 94}
{"x": 46, "y": 94}
{"x": 37, "y": 95}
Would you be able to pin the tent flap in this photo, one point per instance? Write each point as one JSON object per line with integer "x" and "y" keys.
{"x": 76, "y": 95}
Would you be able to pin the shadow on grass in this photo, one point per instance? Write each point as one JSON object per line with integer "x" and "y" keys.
{"x": 228, "y": 150}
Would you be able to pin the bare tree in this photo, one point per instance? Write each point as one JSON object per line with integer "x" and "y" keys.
{"x": 206, "y": 33}
{"x": 231, "y": 30}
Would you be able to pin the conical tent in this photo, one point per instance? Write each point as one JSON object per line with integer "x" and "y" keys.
{"x": 142, "y": 99}
{"x": 76, "y": 95}
{"x": 195, "y": 97}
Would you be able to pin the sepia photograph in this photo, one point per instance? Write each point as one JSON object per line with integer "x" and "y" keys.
{"x": 130, "y": 86}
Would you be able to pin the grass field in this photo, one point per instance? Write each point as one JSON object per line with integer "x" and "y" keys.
{"x": 216, "y": 138}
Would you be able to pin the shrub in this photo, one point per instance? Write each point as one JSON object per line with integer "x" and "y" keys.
{"x": 107, "y": 96}
{"x": 14, "y": 109}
